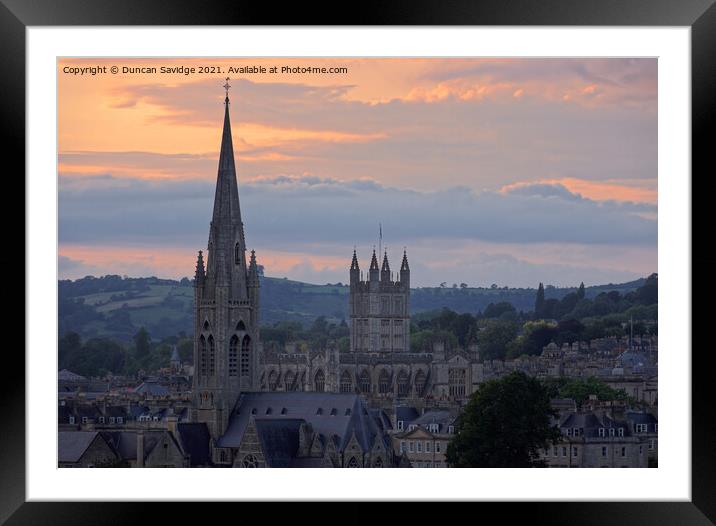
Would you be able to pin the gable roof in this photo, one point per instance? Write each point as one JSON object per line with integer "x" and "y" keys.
{"x": 194, "y": 438}
{"x": 279, "y": 440}
{"x": 71, "y": 445}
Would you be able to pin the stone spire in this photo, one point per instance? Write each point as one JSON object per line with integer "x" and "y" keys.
{"x": 385, "y": 269}
{"x": 374, "y": 262}
{"x": 354, "y": 263}
{"x": 199, "y": 274}
{"x": 373, "y": 271}
{"x": 405, "y": 271}
{"x": 404, "y": 264}
{"x": 226, "y": 265}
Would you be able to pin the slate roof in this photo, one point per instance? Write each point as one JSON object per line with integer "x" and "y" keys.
{"x": 339, "y": 426}
{"x": 406, "y": 414}
{"x": 125, "y": 442}
{"x": 71, "y": 445}
{"x": 68, "y": 376}
{"x": 151, "y": 388}
{"x": 194, "y": 439}
{"x": 440, "y": 417}
{"x": 279, "y": 440}
{"x": 591, "y": 423}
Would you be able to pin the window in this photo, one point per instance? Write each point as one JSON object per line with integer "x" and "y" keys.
{"x": 402, "y": 446}
{"x": 203, "y": 354}
{"x": 411, "y": 446}
{"x": 233, "y": 355}
{"x": 112, "y": 420}
{"x": 456, "y": 382}
{"x": 101, "y": 420}
{"x": 222, "y": 455}
{"x": 624, "y": 452}
{"x": 652, "y": 443}
{"x": 641, "y": 450}
{"x": 555, "y": 451}
{"x": 364, "y": 382}
{"x": 403, "y": 386}
{"x": 246, "y": 356}
{"x": 72, "y": 419}
{"x": 411, "y": 427}
{"x": 575, "y": 451}
{"x": 346, "y": 382}
{"x": 319, "y": 381}
{"x": 288, "y": 381}
{"x": 419, "y": 447}
{"x": 611, "y": 431}
{"x": 419, "y": 383}
{"x": 451, "y": 429}
{"x": 378, "y": 463}
{"x": 250, "y": 462}
{"x": 575, "y": 431}
{"x": 564, "y": 451}
{"x": 569, "y": 431}
{"x": 602, "y": 432}
{"x": 237, "y": 254}
{"x": 400, "y": 425}
{"x": 621, "y": 431}
{"x": 84, "y": 419}
{"x": 641, "y": 428}
{"x": 353, "y": 463}
{"x": 384, "y": 382}
{"x": 427, "y": 447}
{"x": 211, "y": 368}
{"x": 437, "y": 447}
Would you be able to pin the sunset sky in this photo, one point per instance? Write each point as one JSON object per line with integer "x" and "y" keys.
{"x": 507, "y": 171}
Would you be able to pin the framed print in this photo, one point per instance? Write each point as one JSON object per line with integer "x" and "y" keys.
{"x": 407, "y": 245}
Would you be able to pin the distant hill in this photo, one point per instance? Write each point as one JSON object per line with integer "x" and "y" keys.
{"x": 116, "y": 307}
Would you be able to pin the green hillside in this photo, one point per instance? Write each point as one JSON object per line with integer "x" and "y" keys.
{"x": 116, "y": 307}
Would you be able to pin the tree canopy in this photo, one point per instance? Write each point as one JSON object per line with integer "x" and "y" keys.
{"x": 504, "y": 425}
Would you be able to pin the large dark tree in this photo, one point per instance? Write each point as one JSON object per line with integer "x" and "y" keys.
{"x": 504, "y": 425}
{"x": 142, "y": 343}
{"x": 539, "y": 302}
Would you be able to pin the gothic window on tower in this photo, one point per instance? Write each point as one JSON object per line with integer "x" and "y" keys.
{"x": 250, "y": 462}
{"x": 272, "y": 381}
{"x": 385, "y": 335}
{"x": 319, "y": 382}
{"x": 456, "y": 382}
{"x": 237, "y": 254}
{"x": 419, "y": 383}
{"x": 398, "y": 306}
{"x": 384, "y": 382}
{"x": 203, "y": 358}
{"x": 245, "y": 356}
{"x": 364, "y": 382}
{"x": 289, "y": 381}
{"x": 233, "y": 355}
{"x": 403, "y": 385}
{"x": 384, "y": 304}
{"x": 241, "y": 326}
{"x": 346, "y": 382}
{"x": 212, "y": 357}
{"x": 398, "y": 340}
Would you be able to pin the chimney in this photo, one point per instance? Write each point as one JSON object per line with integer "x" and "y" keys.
{"x": 140, "y": 449}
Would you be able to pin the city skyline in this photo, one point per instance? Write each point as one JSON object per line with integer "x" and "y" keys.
{"x": 529, "y": 169}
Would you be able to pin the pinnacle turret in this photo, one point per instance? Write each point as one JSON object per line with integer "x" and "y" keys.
{"x": 404, "y": 265}
{"x": 354, "y": 263}
{"x": 374, "y": 262}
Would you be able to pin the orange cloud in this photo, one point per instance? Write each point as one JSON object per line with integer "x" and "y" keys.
{"x": 597, "y": 190}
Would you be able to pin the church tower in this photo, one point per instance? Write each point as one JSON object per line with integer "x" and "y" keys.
{"x": 226, "y": 303}
{"x": 379, "y": 307}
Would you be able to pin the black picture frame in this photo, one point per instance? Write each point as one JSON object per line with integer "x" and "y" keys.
{"x": 699, "y": 15}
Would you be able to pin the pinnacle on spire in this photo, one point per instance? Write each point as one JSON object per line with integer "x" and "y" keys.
{"x": 374, "y": 261}
{"x": 404, "y": 265}
{"x": 386, "y": 266}
{"x": 354, "y": 263}
{"x": 199, "y": 266}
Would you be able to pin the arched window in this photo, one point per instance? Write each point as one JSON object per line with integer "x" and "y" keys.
{"x": 250, "y": 462}
{"x": 245, "y": 356}
{"x": 346, "y": 382}
{"x": 203, "y": 358}
{"x": 378, "y": 463}
{"x": 319, "y": 382}
{"x": 384, "y": 382}
{"x": 403, "y": 385}
{"x": 289, "y": 381}
{"x": 233, "y": 355}
{"x": 353, "y": 463}
{"x": 419, "y": 383}
{"x": 206, "y": 326}
{"x": 272, "y": 381}
{"x": 240, "y": 326}
{"x": 222, "y": 455}
{"x": 456, "y": 382}
{"x": 237, "y": 254}
{"x": 212, "y": 357}
{"x": 364, "y": 382}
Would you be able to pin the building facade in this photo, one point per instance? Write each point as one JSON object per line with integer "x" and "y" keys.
{"x": 226, "y": 303}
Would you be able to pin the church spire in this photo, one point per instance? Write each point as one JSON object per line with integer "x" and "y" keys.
{"x": 385, "y": 269}
{"x": 404, "y": 265}
{"x": 374, "y": 262}
{"x": 354, "y": 263}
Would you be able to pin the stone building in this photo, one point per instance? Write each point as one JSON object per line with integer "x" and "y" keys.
{"x": 84, "y": 449}
{"x": 423, "y": 439}
{"x": 226, "y": 303}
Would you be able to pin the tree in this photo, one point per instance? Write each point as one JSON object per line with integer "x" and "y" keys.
{"x": 539, "y": 302}
{"x": 494, "y": 338}
{"x": 142, "y": 343}
{"x": 580, "y": 291}
{"x": 504, "y": 425}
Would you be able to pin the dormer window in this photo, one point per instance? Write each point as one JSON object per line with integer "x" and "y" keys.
{"x": 621, "y": 431}
{"x": 400, "y": 425}
{"x": 101, "y": 420}
{"x": 451, "y": 429}
{"x": 602, "y": 432}
{"x": 575, "y": 431}
{"x": 84, "y": 419}
{"x": 112, "y": 420}
{"x": 611, "y": 431}
{"x": 72, "y": 419}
